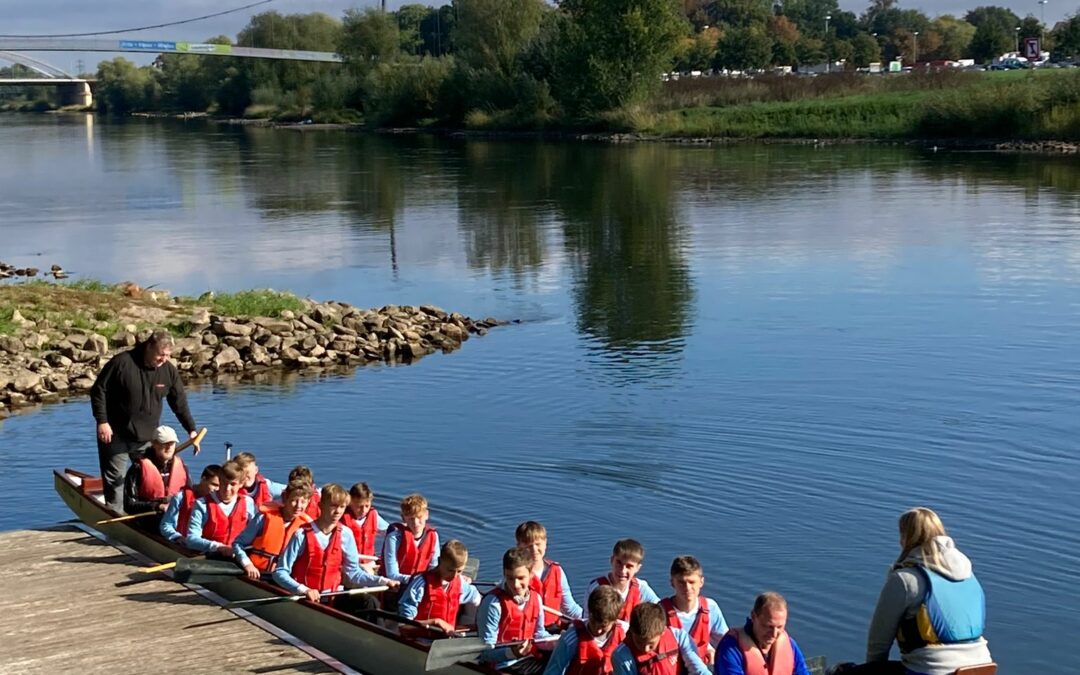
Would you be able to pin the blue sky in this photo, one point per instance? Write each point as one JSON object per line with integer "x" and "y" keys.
{"x": 62, "y": 16}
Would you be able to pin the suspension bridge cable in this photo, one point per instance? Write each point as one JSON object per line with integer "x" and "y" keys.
{"x": 159, "y": 25}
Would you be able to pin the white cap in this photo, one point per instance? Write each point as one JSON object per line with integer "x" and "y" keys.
{"x": 164, "y": 434}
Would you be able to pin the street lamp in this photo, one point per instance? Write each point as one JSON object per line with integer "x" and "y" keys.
{"x": 828, "y": 52}
{"x": 1042, "y": 11}
{"x": 915, "y": 59}
{"x": 1018, "y": 40}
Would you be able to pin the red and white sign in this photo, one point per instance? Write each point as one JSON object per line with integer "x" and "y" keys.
{"x": 1032, "y": 49}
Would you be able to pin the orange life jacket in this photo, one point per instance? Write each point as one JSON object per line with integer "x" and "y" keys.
{"x": 318, "y": 568}
{"x": 259, "y": 492}
{"x": 152, "y": 485}
{"x": 183, "y": 517}
{"x": 699, "y": 631}
{"x": 516, "y": 623}
{"x": 365, "y": 532}
{"x": 273, "y": 536}
{"x": 666, "y": 660}
{"x": 591, "y": 658}
{"x": 781, "y": 659}
{"x": 411, "y": 559}
{"x": 633, "y": 597}
{"x": 221, "y": 528}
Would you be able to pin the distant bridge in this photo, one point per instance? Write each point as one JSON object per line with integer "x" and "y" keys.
{"x": 73, "y": 90}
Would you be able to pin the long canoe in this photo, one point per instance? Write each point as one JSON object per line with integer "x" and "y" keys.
{"x": 364, "y": 645}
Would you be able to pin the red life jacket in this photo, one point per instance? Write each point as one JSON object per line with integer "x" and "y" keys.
{"x": 666, "y": 660}
{"x": 259, "y": 492}
{"x": 516, "y": 623}
{"x": 183, "y": 517}
{"x": 411, "y": 559}
{"x": 781, "y": 657}
{"x": 438, "y": 602}
{"x": 273, "y": 536}
{"x": 152, "y": 485}
{"x": 592, "y": 659}
{"x": 364, "y": 533}
{"x": 316, "y": 568}
{"x": 221, "y": 528}
{"x": 699, "y": 631}
{"x": 313, "y": 509}
{"x": 633, "y": 597}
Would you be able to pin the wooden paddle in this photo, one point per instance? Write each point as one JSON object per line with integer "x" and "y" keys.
{"x": 445, "y": 653}
{"x": 294, "y": 598}
{"x": 132, "y": 516}
{"x": 197, "y": 442}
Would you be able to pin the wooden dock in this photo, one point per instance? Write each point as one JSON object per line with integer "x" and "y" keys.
{"x": 72, "y": 603}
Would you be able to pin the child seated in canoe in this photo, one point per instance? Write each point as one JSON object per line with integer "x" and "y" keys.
{"x": 654, "y": 648}
{"x": 174, "y": 524}
{"x": 688, "y": 610}
{"x": 255, "y": 485}
{"x": 410, "y": 546}
{"x": 626, "y": 559}
{"x": 587, "y": 646}
{"x": 259, "y": 546}
{"x": 436, "y": 597}
{"x": 365, "y": 522}
{"x": 513, "y": 613}
{"x": 154, "y": 479}
{"x": 549, "y": 579}
{"x": 218, "y": 518}
{"x": 321, "y": 557}
{"x": 303, "y": 473}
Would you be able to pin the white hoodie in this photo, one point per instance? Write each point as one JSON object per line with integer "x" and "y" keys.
{"x": 903, "y": 593}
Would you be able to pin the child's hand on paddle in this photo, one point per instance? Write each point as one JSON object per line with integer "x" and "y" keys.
{"x": 522, "y": 649}
{"x": 252, "y": 572}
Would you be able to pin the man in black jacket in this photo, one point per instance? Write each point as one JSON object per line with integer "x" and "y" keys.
{"x": 126, "y": 400}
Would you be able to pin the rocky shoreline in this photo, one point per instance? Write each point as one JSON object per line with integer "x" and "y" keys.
{"x": 45, "y": 361}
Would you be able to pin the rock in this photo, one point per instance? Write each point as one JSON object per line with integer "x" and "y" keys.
{"x": 11, "y": 344}
{"x": 78, "y": 339}
{"x": 272, "y": 343}
{"x": 307, "y": 360}
{"x": 343, "y": 330}
{"x": 5, "y": 380}
{"x": 227, "y": 358}
{"x": 310, "y": 322}
{"x": 259, "y": 356}
{"x": 67, "y": 349}
{"x": 57, "y": 383}
{"x": 200, "y": 316}
{"x": 48, "y": 397}
{"x": 309, "y": 343}
{"x": 454, "y": 332}
{"x": 287, "y": 315}
{"x": 124, "y": 338}
{"x": 35, "y": 340}
{"x": 290, "y": 355}
{"x": 274, "y": 325}
{"x": 324, "y": 313}
{"x": 317, "y": 351}
{"x": 342, "y": 346}
{"x": 432, "y": 310}
{"x": 82, "y": 383}
{"x": 25, "y": 381}
{"x": 187, "y": 346}
{"x": 209, "y": 339}
{"x": 19, "y": 320}
{"x": 411, "y": 336}
{"x": 414, "y": 350}
{"x": 57, "y": 360}
{"x": 232, "y": 328}
{"x": 98, "y": 343}
{"x": 15, "y": 399}
{"x": 238, "y": 342}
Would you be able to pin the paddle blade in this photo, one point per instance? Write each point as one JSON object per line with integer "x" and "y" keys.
{"x": 472, "y": 567}
{"x": 193, "y": 571}
{"x": 445, "y": 653}
{"x": 816, "y": 665}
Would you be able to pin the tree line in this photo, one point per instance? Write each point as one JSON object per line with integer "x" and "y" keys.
{"x": 524, "y": 63}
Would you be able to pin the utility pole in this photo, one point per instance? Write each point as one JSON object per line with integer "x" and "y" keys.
{"x": 1042, "y": 11}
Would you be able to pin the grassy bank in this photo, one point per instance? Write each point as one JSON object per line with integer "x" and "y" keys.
{"x": 1013, "y": 105}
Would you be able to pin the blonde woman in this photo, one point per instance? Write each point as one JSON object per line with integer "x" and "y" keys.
{"x": 931, "y": 605}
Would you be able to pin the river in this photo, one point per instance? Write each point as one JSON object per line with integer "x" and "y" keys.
{"x": 757, "y": 354}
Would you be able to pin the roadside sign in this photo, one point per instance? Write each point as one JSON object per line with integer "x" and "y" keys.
{"x": 1032, "y": 49}
{"x": 895, "y": 66}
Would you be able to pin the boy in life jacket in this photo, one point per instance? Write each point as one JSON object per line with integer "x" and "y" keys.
{"x": 436, "y": 597}
{"x": 364, "y": 521}
{"x": 259, "y": 546}
{"x": 699, "y": 616}
{"x": 654, "y": 648}
{"x": 255, "y": 485}
{"x": 586, "y": 648}
{"x": 154, "y": 479}
{"x": 411, "y": 546}
{"x": 303, "y": 473}
{"x": 626, "y": 559}
{"x": 174, "y": 524}
{"x": 761, "y": 646}
{"x": 549, "y": 578}
{"x": 510, "y": 613}
{"x": 218, "y": 518}
{"x": 321, "y": 557}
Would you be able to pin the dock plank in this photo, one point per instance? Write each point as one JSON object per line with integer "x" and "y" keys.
{"x": 61, "y": 611}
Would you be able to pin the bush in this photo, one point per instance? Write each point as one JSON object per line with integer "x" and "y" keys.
{"x": 406, "y": 92}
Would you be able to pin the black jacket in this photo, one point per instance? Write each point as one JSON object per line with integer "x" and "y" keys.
{"x": 133, "y": 503}
{"x": 128, "y": 394}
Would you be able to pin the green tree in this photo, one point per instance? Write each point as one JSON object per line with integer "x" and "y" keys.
{"x": 739, "y": 13}
{"x": 612, "y": 52}
{"x": 744, "y": 49}
{"x": 785, "y": 35}
{"x": 956, "y": 35}
{"x": 990, "y": 41}
{"x": 865, "y": 50}
{"x": 491, "y": 34}
{"x": 810, "y": 51}
{"x": 436, "y": 29}
{"x": 123, "y": 87}
{"x": 410, "y": 19}
{"x": 809, "y": 15}
{"x": 1066, "y": 35}
{"x": 369, "y": 37}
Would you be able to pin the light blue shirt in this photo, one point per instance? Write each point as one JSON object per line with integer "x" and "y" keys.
{"x": 645, "y": 591}
{"x": 717, "y": 625}
{"x": 568, "y": 606}
{"x": 389, "y": 554}
{"x": 275, "y": 488}
{"x": 488, "y": 618}
{"x": 171, "y": 519}
{"x": 566, "y": 651}
{"x": 414, "y": 594}
{"x": 351, "y": 572}
{"x": 623, "y": 659}
{"x": 195, "y": 540}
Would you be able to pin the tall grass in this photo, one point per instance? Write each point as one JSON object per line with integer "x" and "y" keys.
{"x": 255, "y": 303}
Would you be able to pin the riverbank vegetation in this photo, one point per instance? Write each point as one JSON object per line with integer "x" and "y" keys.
{"x": 600, "y": 65}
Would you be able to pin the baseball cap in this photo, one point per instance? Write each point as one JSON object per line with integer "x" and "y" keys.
{"x": 164, "y": 434}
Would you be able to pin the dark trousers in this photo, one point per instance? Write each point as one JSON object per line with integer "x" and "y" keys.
{"x": 113, "y": 458}
{"x": 872, "y": 668}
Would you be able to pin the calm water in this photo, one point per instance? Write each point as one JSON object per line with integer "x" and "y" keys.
{"x": 759, "y": 355}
